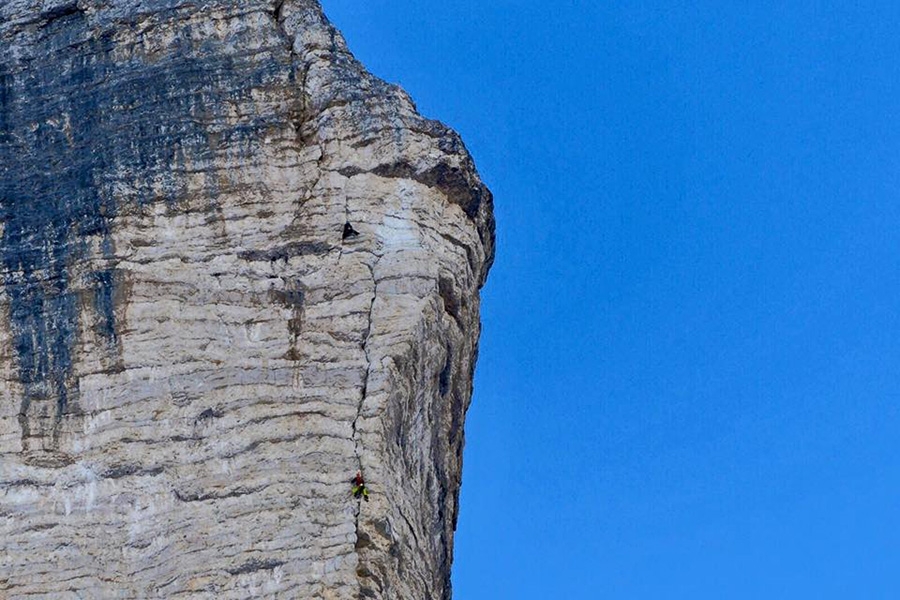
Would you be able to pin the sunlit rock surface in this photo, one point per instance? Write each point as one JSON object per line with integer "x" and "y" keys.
{"x": 196, "y": 352}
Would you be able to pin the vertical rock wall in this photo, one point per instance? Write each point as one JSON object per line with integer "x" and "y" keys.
{"x": 196, "y": 352}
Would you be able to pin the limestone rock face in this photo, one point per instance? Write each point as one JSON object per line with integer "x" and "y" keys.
{"x": 236, "y": 269}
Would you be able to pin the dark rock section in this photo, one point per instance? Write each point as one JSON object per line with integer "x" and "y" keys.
{"x": 81, "y": 112}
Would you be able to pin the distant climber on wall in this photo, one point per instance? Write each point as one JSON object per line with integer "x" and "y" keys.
{"x": 359, "y": 487}
{"x": 349, "y": 232}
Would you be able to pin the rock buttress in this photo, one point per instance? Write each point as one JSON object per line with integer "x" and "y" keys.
{"x": 196, "y": 353}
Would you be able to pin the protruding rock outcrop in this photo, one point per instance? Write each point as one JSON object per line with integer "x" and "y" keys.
{"x": 236, "y": 269}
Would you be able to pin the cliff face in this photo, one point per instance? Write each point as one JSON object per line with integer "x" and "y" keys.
{"x": 236, "y": 269}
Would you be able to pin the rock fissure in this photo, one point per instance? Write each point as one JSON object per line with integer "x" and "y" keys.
{"x": 426, "y": 585}
{"x": 57, "y": 13}
{"x": 356, "y": 436}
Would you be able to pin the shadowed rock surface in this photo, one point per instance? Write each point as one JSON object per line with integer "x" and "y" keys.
{"x": 236, "y": 269}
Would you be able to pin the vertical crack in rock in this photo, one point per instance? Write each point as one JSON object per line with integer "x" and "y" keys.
{"x": 368, "y": 370}
{"x": 426, "y": 585}
{"x": 278, "y": 19}
{"x": 356, "y": 435}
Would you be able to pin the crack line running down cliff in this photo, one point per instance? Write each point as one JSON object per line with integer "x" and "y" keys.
{"x": 355, "y": 435}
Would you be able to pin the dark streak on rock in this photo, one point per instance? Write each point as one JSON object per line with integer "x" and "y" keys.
{"x": 254, "y": 565}
{"x": 452, "y": 302}
{"x": 70, "y": 131}
{"x": 453, "y": 181}
{"x": 202, "y": 497}
{"x": 48, "y": 460}
{"x": 444, "y": 379}
{"x": 293, "y": 297}
{"x": 287, "y": 251}
{"x": 280, "y": 440}
{"x": 363, "y": 540}
{"x": 24, "y": 483}
{"x": 207, "y": 414}
{"x": 120, "y": 471}
{"x": 59, "y": 12}
{"x": 294, "y": 414}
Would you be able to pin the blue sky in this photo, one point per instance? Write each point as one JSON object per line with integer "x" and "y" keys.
{"x": 688, "y": 381}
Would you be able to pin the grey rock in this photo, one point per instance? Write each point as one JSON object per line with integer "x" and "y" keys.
{"x": 196, "y": 353}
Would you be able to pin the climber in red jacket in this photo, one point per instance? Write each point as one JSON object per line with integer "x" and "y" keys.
{"x": 359, "y": 487}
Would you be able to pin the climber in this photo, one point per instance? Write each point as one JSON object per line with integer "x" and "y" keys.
{"x": 349, "y": 231}
{"x": 359, "y": 487}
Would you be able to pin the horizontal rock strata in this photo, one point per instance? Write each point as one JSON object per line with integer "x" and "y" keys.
{"x": 236, "y": 269}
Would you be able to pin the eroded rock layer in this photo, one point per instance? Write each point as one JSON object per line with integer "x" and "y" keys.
{"x": 236, "y": 269}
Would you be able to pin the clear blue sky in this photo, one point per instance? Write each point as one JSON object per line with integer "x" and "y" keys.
{"x": 690, "y": 369}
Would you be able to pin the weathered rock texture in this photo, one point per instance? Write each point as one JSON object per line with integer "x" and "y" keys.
{"x": 195, "y": 357}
